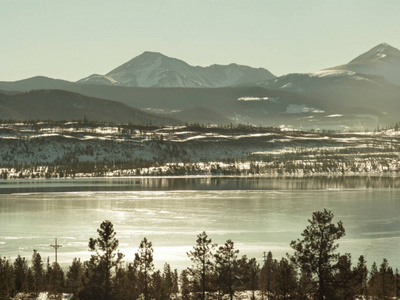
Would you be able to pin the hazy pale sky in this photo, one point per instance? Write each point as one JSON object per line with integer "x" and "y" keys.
{"x": 71, "y": 39}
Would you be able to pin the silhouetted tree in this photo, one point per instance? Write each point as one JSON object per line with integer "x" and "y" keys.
{"x": 316, "y": 251}
{"x": 248, "y": 274}
{"x": 56, "y": 280}
{"x": 285, "y": 279}
{"x": 267, "y": 275}
{"x": 6, "y": 279}
{"x": 21, "y": 274}
{"x": 159, "y": 289}
{"x": 202, "y": 258}
{"x": 74, "y": 275}
{"x": 361, "y": 278}
{"x": 344, "y": 285}
{"x": 185, "y": 285}
{"x": 383, "y": 285}
{"x": 106, "y": 257}
{"x": 373, "y": 281}
{"x": 226, "y": 267}
{"x": 305, "y": 286}
{"x": 38, "y": 271}
{"x": 144, "y": 260}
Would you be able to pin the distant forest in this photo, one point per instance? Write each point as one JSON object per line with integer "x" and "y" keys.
{"x": 315, "y": 271}
{"x": 59, "y": 149}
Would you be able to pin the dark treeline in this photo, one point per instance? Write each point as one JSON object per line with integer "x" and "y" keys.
{"x": 315, "y": 271}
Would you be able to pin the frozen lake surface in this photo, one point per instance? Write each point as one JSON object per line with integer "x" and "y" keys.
{"x": 258, "y": 214}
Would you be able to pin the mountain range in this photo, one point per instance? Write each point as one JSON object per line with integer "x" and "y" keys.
{"x": 361, "y": 93}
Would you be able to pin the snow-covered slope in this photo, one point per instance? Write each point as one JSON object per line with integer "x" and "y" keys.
{"x": 152, "y": 69}
{"x": 382, "y": 60}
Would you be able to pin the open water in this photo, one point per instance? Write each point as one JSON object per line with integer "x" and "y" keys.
{"x": 258, "y": 214}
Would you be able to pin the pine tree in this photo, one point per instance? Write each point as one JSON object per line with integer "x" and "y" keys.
{"x": 106, "y": 257}
{"x": 285, "y": 278}
{"x": 397, "y": 284}
{"x": 316, "y": 251}
{"x": 175, "y": 282}
{"x": 56, "y": 280}
{"x": 74, "y": 275}
{"x": 202, "y": 258}
{"x": 159, "y": 289}
{"x": 361, "y": 278}
{"x": 21, "y": 274}
{"x": 373, "y": 281}
{"x": 185, "y": 285}
{"x": 267, "y": 275}
{"x": 144, "y": 259}
{"x": 226, "y": 267}
{"x": 248, "y": 274}
{"x": 168, "y": 280}
{"x": 38, "y": 271}
{"x": 6, "y": 279}
{"x": 305, "y": 286}
{"x": 386, "y": 281}
{"x": 344, "y": 285}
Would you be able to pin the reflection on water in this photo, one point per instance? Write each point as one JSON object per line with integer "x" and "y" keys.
{"x": 196, "y": 183}
{"x": 257, "y": 214}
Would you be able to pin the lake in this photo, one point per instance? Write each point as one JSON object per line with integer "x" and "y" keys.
{"x": 258, "y": 214}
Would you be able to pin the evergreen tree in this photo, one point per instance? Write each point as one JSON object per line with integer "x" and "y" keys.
{"x": 202, "y": 258}
{"x": 316, "y": 251}
{"x": 144, "y": 260}
{"x": 56, "y": 280}
{"x": 38, "y": 271}
{"x": 226, "y": 267}
{"x": 305, "y": 286}
{"x": 386, "y": 281}
{"x": 397, "y": 284}
{"x": 185, "y": 285}
{"x": 74, "y": 275}
{"x": 285, "y": 279}
{"x": 168, "y": 280}
{"x": 21, "y": 274}
{"x": 361, "y": 278}
{"x": 106, "y": 257}
{"x": 248, "y": 274}
{"x": 159, "y": 288}
{"x": 344, "y": 286}
{"x": 373, "y": 281}
{"x": 126, "y": 283}
{"x": 30, "y": 283}
{"x": 267, "y": 275}
{"x": 175, "y": 282}
{"x": 91, "y": 284}
{"x": 7, "y": 282}
{"x": 254, "y": 272}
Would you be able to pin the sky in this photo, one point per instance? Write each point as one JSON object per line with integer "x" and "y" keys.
{"x": 72, "y": 39}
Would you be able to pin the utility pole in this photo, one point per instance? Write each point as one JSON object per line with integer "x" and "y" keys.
{"x": 56, "y": 246}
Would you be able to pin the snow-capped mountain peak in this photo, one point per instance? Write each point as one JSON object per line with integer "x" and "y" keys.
{"x": 153, "y": 69}
{"x": 382, "y": 60}
{"x": 380, "y": 52}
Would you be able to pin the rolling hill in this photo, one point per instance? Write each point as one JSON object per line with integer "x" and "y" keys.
{"x": 63, "y": 105}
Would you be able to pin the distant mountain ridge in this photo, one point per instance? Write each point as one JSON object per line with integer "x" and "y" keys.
{"x": 360, "y": 94}
{"x": 153, "y": 69}
{"x": 59, "y": 105}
